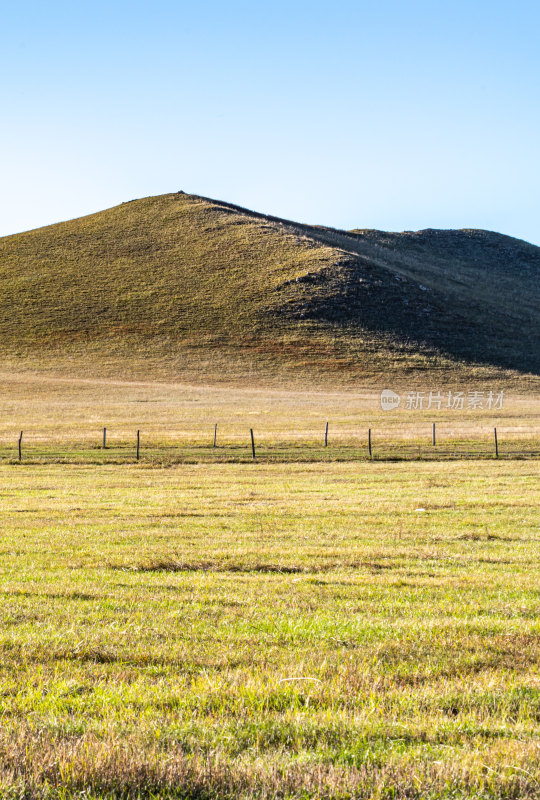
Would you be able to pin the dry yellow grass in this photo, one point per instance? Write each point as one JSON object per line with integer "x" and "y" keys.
{"x": 70, "y": 411}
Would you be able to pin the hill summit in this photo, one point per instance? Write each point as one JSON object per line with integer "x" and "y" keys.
{"x": 184, "y": 286}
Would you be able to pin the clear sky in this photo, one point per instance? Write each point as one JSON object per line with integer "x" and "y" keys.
{"x": 392, "y": 114}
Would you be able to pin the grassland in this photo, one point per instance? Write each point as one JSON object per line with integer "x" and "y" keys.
{"x": 260, "y": 630}
{"x": 316, "y": 624}
{"x": 309, "y": 629}
{"x": 63, "y": 420}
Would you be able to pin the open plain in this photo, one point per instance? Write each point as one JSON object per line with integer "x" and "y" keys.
{"x": 311, "y": 624}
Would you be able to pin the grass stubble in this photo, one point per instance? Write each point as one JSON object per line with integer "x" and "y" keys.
{"x": 270, "y": 630}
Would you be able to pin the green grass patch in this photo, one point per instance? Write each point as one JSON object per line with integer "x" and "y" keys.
{"x": 270, "y": 630}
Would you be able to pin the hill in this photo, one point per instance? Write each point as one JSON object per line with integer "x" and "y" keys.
{"x": 185, "y": 286}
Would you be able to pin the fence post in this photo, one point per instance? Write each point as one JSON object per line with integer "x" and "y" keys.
{"x": 215, "y": 434}
{"x": 496, "y": 443}
{"x": 138, "y": 443}
{"x": 252, "y": 443}
{"x": 104, "y": 438}
{"x": 369, "y": 442}
{"x": 326, "y": 435}
{"x": 20, "y": 446}
{"x": 434, "y": 441}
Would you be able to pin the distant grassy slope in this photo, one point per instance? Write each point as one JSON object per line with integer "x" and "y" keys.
{"x": 479, "y": 293}
{"x": 180, "y": 285}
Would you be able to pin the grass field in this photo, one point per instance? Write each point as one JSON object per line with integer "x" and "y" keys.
{"x": 63, "y": 420}
{"x": 304, "y": 630}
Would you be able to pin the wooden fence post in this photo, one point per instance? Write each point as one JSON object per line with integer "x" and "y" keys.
{"x": 434, "y": 440}
{"x": 138, "y": 443}
{"x": 496, "y": 443}
{"x": 369, "y": 442}
{"x": 326, "y": 435}
{"x": 20, "y": 446}
{"x": 104, "y": 438}
{"x": 252, "y": 443}
{"x": 215, "y": 434}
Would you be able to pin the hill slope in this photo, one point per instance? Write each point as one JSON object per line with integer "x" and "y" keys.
{"x": 181, "y": 285}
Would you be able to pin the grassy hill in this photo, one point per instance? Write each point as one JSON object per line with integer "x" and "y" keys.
{"x": 181, "y": 286}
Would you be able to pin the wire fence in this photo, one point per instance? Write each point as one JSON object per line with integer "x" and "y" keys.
{"x": 249, "y": 445}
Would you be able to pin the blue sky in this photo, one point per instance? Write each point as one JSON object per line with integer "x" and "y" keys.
{"x": 392, "y": 115}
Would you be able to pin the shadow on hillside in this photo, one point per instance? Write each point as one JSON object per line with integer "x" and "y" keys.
{"x": 364, "y": 297}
